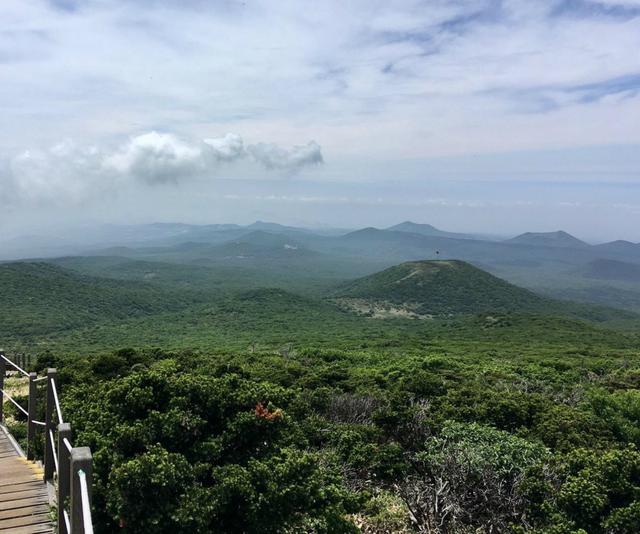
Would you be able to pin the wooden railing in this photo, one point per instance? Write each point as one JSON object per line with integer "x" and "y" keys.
{"x": 68, "y": 466}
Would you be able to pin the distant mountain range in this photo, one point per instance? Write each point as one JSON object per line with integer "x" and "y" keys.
{"x": 164, "y": 234}
{"x": 402, "y": 242}
{"x": 553, "y": 263}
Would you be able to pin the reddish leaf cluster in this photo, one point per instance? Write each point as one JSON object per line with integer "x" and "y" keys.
{"x": 264, "y": 413}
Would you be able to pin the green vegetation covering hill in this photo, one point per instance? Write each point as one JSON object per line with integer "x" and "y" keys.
{"x": 159, "y": 304}
{"x": 438, "y": 287}
{"x": 443, "y": 287}
{"x": 40, "y": 299}
{"x": 514, "y": 418}
{"x": 546, "y": 263}
{"x": 235, "y": 399}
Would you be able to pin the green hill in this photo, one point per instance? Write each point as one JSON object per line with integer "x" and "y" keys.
{"x": 443, "y": 287}
{"x": 39, "y": 298}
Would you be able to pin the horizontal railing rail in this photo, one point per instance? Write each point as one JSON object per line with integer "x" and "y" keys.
{"x": 65, "y": 466}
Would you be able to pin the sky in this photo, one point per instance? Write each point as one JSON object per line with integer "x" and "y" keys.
{"x": 495, "y": 116}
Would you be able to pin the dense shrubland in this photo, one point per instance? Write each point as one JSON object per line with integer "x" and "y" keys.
{"x": 469, "y": 439}
{"x": 486, "y": 422}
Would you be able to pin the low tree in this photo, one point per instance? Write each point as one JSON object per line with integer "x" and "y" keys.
{"x": 467, "y": 479}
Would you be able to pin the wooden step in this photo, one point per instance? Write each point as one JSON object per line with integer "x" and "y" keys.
{"x": 24, "y": 500}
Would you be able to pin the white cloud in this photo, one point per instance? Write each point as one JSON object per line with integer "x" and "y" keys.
{"x": 63, "y": 174}
{"x": 381, "y": 86}
{"x": 227, "y": 148}
{"x": 69, "y": 173}
{"x": 274, "y": 157}
{"x": 157, "y": 158}
{"x": 365, "y": 78}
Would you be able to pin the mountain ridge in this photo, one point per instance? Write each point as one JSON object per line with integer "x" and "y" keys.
{"x": 428, "y": 288}
{"x": 428, "y": 230}
{"x": 559, "y": 238}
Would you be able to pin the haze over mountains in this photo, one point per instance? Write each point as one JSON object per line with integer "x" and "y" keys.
{"x": 555, "y": 264}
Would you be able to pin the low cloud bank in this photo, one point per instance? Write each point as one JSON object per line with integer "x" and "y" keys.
{"x": 69, "y": 172}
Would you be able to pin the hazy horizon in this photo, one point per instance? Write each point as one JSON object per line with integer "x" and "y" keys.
{"x": 92, "y": 232}
{"x": 474, "y": 115}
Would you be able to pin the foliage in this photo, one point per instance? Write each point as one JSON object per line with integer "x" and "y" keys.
{"x": 468, "y": 478}
{"x": 594, "y": 491}
{"x": 494, "y": 440}
{"x": 165, "y": 442}
{"x": 264, "y": 410}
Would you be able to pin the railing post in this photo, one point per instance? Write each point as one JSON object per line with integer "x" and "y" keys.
{"x": 81, "y": 461}
{"x": 64, "y": 474}
{"x": 49, "y": 466}
{"x": 31, "y": 426}
{"x": 3, "y": 371}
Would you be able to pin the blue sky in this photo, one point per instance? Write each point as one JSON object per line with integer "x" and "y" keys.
{"x": 498, "y": 116}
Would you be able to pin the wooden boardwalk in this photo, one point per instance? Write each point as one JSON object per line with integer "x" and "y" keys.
{"x": 24, "y": 500}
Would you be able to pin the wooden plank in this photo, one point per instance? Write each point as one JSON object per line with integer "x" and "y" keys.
{"x": 14, "y": 508}
{"x": 24, "y": 500}
{"x": 21, "y": 503}
{"x": 20, "y": 480}
{"x": 26, "y": 493}
{"x": 25, "y": 521}
{"x": 23, "y": 510}
{"x": 26, "y": 511}
{"x": 17, "y": 464}
{"x": 10, "y": 488}
{"x": 14, "y": 477}
{"x": 31, "y": 529}
{"x": 32, "y": 489}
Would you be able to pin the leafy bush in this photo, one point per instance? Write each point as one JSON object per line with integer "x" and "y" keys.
{"x": 589, "y": 490}
{"x": 468, "y": 478}
{"x": 176, "y": 452}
